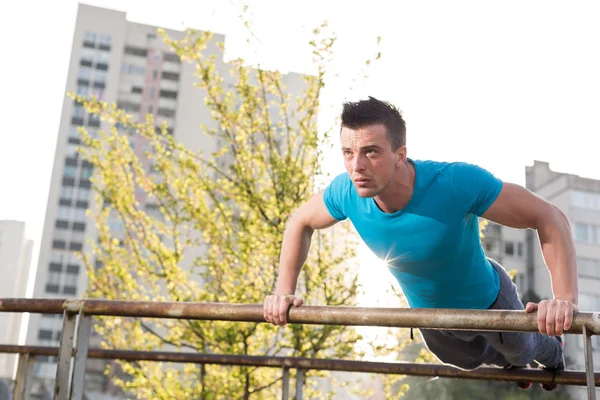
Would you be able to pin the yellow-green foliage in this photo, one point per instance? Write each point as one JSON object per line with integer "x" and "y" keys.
{"x": 216, "y": 233}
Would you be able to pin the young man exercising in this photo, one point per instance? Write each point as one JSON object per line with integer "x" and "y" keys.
{"x": 421, "y": 217}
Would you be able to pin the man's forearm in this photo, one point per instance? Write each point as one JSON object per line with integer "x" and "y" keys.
{"x": 294, "y": 251}
{"x": 558, "y": 251}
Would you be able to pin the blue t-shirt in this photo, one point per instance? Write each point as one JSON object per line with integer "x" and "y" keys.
{"x": 432, "y": 246}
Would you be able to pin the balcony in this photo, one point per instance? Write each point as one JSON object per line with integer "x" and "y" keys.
{"x": 167, "y": 103}
{"x": 170, "y": 67}
{"x": 172, "y": 86}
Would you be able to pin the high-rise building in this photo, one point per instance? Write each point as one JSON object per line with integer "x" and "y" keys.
{"x": 15, "y": 267}
{"x": 519, "y": 250}
{"x": 126, "y": 63}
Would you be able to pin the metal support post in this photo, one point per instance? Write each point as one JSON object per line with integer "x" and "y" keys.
{"x": 285, "y": 384}
{"x": 299, "y": 384}
{"x": 22, "y": 390}
{"x": 589, "y": 364}
{"x": 81, "y": 353}
{"x": 65, "y": 352}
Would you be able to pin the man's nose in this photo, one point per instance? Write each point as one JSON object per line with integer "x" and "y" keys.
{"x": 359, "y": 163}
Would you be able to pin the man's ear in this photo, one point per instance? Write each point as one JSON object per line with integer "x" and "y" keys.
{"x": 401, "y": 155}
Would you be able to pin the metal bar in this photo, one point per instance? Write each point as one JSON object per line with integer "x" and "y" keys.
{"x": 589, "y": 364}
{"x": 299, "y": 384}
{"x": 61, "y": 388}
{"x": 29, "y": 377}
{"x": 569, "y": 377}
{"x": 22, "y": 387}
{"x": 81, "y": 352}
{"x": 285, "y": 384}
{"x": 449, "y": 319}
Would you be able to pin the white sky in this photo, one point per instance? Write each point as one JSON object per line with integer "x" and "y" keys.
{"x": 496, "y": 83}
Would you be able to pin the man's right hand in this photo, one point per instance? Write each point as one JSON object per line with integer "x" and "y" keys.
{"x": 276, "y": 307}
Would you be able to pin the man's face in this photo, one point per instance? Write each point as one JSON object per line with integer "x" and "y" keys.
{"x": 368, "y": 158}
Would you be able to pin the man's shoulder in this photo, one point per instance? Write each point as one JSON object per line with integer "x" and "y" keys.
{"x": 448, "y": 169}
{"x": 437, "y": 165}
{"x": 340, "y": 184}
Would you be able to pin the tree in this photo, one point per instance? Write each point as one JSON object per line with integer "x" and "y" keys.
{"x": 178, "y": 225}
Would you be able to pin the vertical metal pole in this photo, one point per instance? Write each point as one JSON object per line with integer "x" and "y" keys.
{"x": 20, "y": 378}
{"x": 81, "y": 352}
{"x": 285, "y": 383}
{"x": 589, "y": 364}
{"x": 61, "y": 388}
{"x": 22, "y": 388}
{"x": 299, "y": 383}
{"x": 29, "y": 378}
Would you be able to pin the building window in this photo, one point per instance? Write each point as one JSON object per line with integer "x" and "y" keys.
{"x": 78, "y": 111}
{"x": 169, "y": 94}
{"x": 509, "y": 248}
{"x": 170, "y": 76}
{"x": 66, "y": 192}
{"x": 104, "y": 42}
{"x": 154, "y": 74}
{"x": 72, "y": 150}
{"x": 102, "y": 57}
{"x": 60, "y": 257}
{"x": 100, "y": 76}
{"x": 133, "y": 69}
{"x": 50, "y": 288}
{"x": 70, "y": 171}
{"x": 71, "y": 279}
{"x": 64, "y": 213}
{"x": 136, "y": 51}
{"x": 98, "y": 92}
{"x": 77, "y": 236}
{"x": 84, "y": 73}
{"x": 73, "y": 269}
{"x": 61, "y": 224}
{"x": 152, "y": 93}
{"x": 136, "y": 90}
{"x": 586, "y": 233}
{"x": 45, "y": 335}
{"x": 90, "y": 36}
{"x": 70, "y": 290}
{"x": 88, "y": 55}
{"x": 166, "y": 112}
{"x": 83, "y": 90}
{"x": 79, "y": 215}
{"x": 520, "y": 249}
{"x": 150, "y": 110}
{"x": 172, "y": 58}
{"x": 54, "y": 277}
{"x": 83, "y": 194}
{"x": 94, "y": 121}
{"x": 586, "y": 200}
{"x": 60, "y": 235}
{"x": 588, "y": 268}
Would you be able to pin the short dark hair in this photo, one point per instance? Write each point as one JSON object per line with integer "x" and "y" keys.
{"x": 356, "y": 115}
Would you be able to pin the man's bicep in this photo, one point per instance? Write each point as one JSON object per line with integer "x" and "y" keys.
{"x": 315, "y": 214}
{"x": 517, "y": 207}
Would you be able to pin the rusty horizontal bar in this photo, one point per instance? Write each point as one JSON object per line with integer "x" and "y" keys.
{"x": 577, "y": 378}
{"x": 449, "y": 319}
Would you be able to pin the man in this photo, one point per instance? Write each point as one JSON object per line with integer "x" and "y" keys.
{"x": 421, "y": 217}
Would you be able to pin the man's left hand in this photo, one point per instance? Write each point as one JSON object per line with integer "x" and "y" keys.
{"x": 553, "y": 316}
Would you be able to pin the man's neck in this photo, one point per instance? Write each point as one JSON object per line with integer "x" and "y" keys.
{"x": 400, "y": 190}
